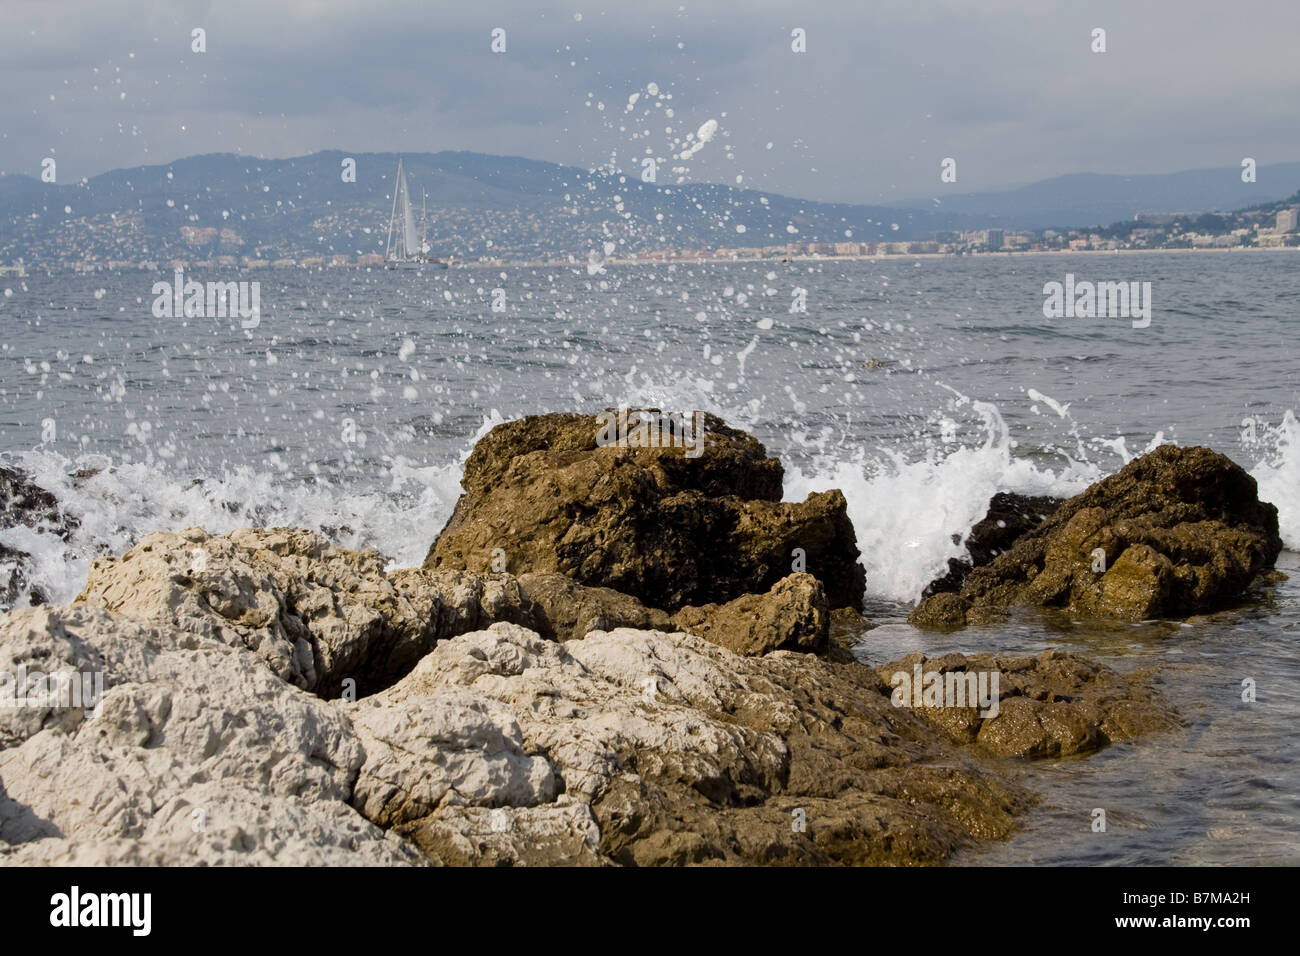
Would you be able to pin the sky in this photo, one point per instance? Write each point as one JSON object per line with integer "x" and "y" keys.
{"x": 883, "y": 93}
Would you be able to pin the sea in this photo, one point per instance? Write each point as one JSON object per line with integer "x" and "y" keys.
{"x": 919, "y": 386}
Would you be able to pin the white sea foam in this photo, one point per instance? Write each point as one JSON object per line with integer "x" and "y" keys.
{"x": 905, "y": 505}
{"x": 905, "y": 510}
{"x": 1278, "y": 476}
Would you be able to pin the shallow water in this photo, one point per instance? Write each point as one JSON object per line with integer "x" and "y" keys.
{"x": 350, "y": 408}
{"x": 1222, "y": 789}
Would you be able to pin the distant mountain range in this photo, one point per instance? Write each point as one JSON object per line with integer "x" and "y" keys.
{"x": 1089, "y": 199}
{"x": 483, "y": 206}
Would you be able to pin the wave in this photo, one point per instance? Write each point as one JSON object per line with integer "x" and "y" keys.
{"x": 907, "y": 503}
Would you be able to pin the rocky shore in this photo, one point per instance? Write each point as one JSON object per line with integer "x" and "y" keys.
{"x": 611, "y": 656}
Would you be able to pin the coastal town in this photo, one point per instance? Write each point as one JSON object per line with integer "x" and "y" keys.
{"x": 107, "y": 245}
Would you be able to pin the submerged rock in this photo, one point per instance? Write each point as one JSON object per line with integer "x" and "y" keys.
{"x": 1177, "y": 531}
{"x": 670, "y": 530}
{"x": 1050, "y": 705}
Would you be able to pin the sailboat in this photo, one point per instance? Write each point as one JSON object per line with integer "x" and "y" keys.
{"x": 404, "y": 250}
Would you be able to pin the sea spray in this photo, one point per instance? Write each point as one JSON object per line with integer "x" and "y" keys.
{"x": 1278, "y": 476}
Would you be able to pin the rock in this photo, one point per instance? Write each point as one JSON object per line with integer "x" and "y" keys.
{"x": 645, "y": 748}
{"x": 649, "y": 522}
{"x": 318, "y": 615}
{"x": 793, "y": 616}
{"x": 1177, "y": 531}
{"x": 846, "y": 631}
{"x": 1009, "y": 516}
{"x": 1051, "y": 705}
{"x": 196, "y": 753}
{"x": 500, "y": 747}
{"x": 559, "y": 834}
{"x": 25, "y": 504}
{"x": 941, "y": 611}
{"x": 568, "y": 610}
{"x": 15, "y": 579}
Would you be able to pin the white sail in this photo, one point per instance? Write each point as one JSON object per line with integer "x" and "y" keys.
{"x": 406, "y": 247}
{"x": 411, "y": 241}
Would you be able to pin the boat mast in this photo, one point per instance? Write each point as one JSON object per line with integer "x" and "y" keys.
{"x": 392, "y": 218}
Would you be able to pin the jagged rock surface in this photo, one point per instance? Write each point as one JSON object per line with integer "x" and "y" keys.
{"x": 317, "y": 614}
{"x": 648, "y": 522}
{"x": 1177, "y": 531}
{"x": 196, "y": 753}
{"x": 1009, "y": 516}
{"x": 793, "y": 616}
{"x": 567, "y": 610}
{"x": 640, "y": 747}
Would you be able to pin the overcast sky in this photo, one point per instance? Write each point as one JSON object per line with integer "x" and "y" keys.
{"x": 886, "y": 90}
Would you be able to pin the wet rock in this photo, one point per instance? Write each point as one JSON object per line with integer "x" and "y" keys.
{"x": 16, "y": 586}
{"x": 670, "y": 530}
{"x": 793, "y": 616}
{"x": 317, "y": 614}
{"x": 567, "y": 610}
{"x": 26, "y": 505}
{"x": 23, "y": 502}
{"x": 942, "y": 611}
{"x": 1177, "y": 531}
{"x": 196, "y": 753}
{"x": 1050, "y": 705}
{"x": 1009, "y": 516}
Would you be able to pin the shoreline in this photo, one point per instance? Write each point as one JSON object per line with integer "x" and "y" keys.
{"x": 10, "y": 271}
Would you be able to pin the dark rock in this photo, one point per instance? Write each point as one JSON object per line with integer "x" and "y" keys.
{"x": 541, "y": 495}
{"x": 25, "y": 503}
{"x": 1009, "y": 516}
{"x": 1177, "y": 531}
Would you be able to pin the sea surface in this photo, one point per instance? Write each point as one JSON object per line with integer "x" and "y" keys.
{"x": 920, "y": 387}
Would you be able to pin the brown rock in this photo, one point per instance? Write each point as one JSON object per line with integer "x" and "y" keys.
{"x": 793, "y": 616}
{"x": 1178, "y": 531}
{"x": 642, "y": 748}
{"x": 649, "y": 522}
{"x": 1051, "y": 705}
{"x": 568, "y": 610}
